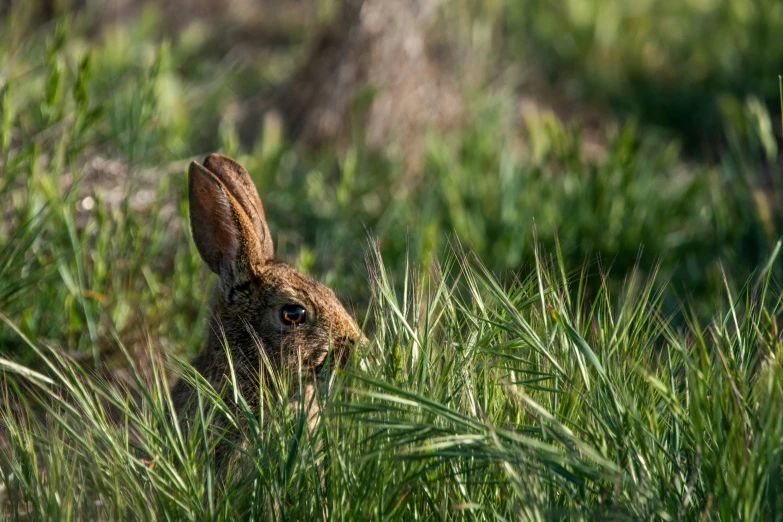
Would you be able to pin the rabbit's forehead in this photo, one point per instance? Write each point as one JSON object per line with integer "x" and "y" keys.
{"x": 283, "y": 282}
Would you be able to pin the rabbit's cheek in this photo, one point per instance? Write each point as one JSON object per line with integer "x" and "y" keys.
{"x": 297, "y": 344}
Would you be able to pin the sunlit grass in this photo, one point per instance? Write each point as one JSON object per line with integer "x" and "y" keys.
{"x": 475, "y": 398}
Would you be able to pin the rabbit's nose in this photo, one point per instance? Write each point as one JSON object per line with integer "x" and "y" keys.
{"x": 349, "y": 341}
{"x": 356, "y": 338}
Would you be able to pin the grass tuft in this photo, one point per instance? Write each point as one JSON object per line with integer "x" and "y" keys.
{"x": 471, "y": 400}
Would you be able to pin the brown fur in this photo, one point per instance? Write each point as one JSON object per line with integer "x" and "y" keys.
{"x": 230, "y": 232}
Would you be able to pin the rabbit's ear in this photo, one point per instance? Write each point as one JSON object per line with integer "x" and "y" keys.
{"x": 236, "y": 179}
{"x": 224, "y": 234}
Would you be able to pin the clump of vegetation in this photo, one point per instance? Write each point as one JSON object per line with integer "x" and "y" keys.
{"x": 475, "y": 399}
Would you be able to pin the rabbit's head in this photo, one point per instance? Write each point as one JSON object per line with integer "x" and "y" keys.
{"x": 263, "y": 309}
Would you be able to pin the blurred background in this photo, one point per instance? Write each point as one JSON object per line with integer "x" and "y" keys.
{"x": 618, "y": 134}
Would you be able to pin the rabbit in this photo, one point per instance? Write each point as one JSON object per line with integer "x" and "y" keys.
{"x": 259, "y": 304}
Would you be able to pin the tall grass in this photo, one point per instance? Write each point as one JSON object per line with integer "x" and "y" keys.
{"x": 475, "y": 399}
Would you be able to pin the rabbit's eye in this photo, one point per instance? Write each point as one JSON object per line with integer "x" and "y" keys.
{"x": 293, "y": 314}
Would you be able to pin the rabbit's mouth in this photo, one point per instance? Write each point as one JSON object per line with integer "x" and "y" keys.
{"x": 334, "y": 358}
